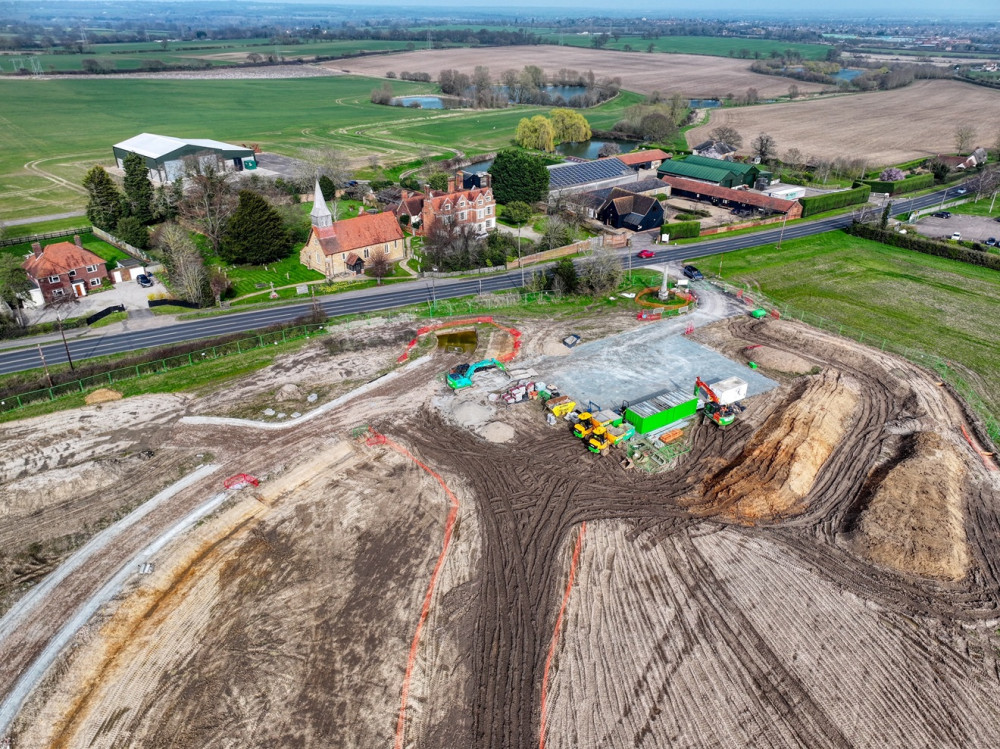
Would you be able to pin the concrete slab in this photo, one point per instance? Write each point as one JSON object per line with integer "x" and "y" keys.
{"x": 632, "y": 365}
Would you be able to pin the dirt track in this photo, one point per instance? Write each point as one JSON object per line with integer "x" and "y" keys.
{"x": 784, "y": 585}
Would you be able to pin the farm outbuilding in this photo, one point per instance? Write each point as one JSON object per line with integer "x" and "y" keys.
{"x": 166, "y": 156}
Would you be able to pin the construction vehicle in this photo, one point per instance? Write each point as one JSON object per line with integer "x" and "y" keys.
{"x": 721, "y": 413}
{"x": 585, "y": 426}
{"x": 590, "y": 421}
{"x": 621, "y": 433}
{"x": 600, "y": 442}
{"x": 461, "y": 376}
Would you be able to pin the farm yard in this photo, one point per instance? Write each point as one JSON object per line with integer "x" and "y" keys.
{"x": 886, "y": 127}
{"x": 782, "y": 583}
{"x": 697, "y": 76}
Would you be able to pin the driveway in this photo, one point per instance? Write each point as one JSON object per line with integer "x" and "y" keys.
{"x": 972, "y": 228}
{"x": 128, "y": 293}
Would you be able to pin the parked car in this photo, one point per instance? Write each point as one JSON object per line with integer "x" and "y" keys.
{"x": 991, "y": 242}
{"x": 957, "y": 236}
{"x": 942, "y": 214}
{"x": 144, "y": 280}
{"x": 646, "y": 254}
{"x": 691, "y": 272}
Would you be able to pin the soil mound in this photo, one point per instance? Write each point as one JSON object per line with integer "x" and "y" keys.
{"x": 780, "y": 464}
{"x": 914, "y": 522}
{"x": 497, "y": 432}
{"x": 102, "y": 395}
{"x": 780, "y": 361}
{"x": 288, "y": 392}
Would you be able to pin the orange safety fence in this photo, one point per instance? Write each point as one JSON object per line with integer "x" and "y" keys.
{"x": 983, "y": 454}
{"x": 555, "y": 634}
{"x": 485, "y": 320}
{"x": 375, "y": 438}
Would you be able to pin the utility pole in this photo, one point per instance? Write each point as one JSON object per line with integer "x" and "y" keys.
{"x": 65, "y": 344}
{"x": 780, "y": 236}
{"x": 519, "y": 255}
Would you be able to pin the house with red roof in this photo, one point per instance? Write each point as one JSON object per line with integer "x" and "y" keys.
{"x": 335, "y": 248}
{"x": 462, "y": 207}
{"x": 649, "y": 158}
{"x": 64, "y": 270}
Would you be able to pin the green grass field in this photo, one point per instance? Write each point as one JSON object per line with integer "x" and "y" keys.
{"x": 940, "y": 306}
{"x": 43, "y": 227}
{"x": 129, "y": 56}
{"x": 285, "y": 116}
{"x": 980, "y": 208}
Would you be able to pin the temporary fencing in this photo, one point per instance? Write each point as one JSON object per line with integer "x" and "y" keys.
{"x": 482, "y": 320}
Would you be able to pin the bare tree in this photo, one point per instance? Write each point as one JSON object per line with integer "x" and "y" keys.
{"x": 185, "y": 266}
{"x": 380, "y": 265}
{"x": 374, "y": 160}
{"x": 728, "y": 135}
{"x": 209, "y": 200}
{"x": 601, "y": 273}
{"x": 793, "y": 157}
{"x": 764, "y": 147}
{"x": 331, "y": 162}
{"x": 793, "y": 91}
{"x": 219, "y": 284}
{"x": 996, "y": 145}
{"x": 965, "y": 134}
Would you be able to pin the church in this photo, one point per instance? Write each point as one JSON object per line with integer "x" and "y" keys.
{"x": 344, "y": 247}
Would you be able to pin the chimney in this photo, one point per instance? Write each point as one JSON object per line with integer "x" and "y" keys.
{"x": 451, "y": 184}
{"x": 77, "y": 242}
{"x": 404, "y": 194}
{"x": 459, "y": 180}
{"x": 36, "y": 249}
{"x": 427, "y": 189}
{"x": 485, "y": 179}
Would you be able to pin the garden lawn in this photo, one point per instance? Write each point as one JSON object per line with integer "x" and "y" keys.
{"x": 940, "y": 306}
{"x": 245, "y": 278}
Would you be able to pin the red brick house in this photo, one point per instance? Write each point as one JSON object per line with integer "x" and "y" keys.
{"x": 474, "y": 207}
{"x": 64, "y": 270}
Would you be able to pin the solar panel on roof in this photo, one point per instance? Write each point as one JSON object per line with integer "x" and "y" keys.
{"x": 567, "y": 175}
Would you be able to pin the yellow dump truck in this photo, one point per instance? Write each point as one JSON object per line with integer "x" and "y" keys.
{"x": 585, "y": 427}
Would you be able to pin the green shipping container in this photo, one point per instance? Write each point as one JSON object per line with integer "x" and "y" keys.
{"x": 657, "y": 412}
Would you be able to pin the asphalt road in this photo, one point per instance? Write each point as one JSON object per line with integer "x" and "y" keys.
{"x": 399, "y": 295}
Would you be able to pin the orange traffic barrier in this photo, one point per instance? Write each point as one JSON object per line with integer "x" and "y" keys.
{"x": 483, "y": 320}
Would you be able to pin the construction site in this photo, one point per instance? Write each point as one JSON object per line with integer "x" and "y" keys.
{"x": 576, "y": 530}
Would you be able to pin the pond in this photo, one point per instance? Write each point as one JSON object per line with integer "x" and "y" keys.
{"x": 847, "y": 74}
{"x": 704, "y": 103}
{"x": 588, "y": 149}
{"x": 463, "y": 341}
{"x": 478, "y": 166}
{"x": 425, "y": 102}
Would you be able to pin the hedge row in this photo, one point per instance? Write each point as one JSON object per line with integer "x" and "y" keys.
{"x": 832, "y": 201}
{"x": 682, "y": 229}
{"x": 907, "y": 184}
{"x": 926, "y": 246}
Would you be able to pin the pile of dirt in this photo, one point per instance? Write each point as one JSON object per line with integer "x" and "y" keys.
{"x": 288, "y": 392}
{"x": 469, "y": 413}
{"x": 915, "y": 520}
{"x": 102, "y": 395}
{"x": 779, "y": 361}
{"x": 780, "y": 463}
{"x": 497, "y": 432}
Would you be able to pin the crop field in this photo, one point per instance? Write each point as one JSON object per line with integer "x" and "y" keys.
{"x": 716, "y": 46}
{"x": 887, "y": 127}
{"x": 42, "y": 161}
{"x": 938, "y": 305}
{"x": 695, "y": 76}
{"x": 129, "y": 56}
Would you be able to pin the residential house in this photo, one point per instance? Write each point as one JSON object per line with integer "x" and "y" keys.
{"x": 715, "y": 149}
{"x": 740, "y": 199}
{"x": 974, "y": 159}
{"x": 474, "y": 207}
{"x": 410, "y": 204}
{"x": 645, "y": 159}
{"x": 343, "y": 247}
{"x": 64, "y": 270}
{"x": 627, "y": 210}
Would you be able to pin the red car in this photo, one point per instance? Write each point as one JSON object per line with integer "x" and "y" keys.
{"x": 645, "y": 254}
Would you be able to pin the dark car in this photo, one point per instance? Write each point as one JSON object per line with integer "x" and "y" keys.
{"x": 144, "y": 280}
{"x": 991, "y": 242}
{"x": 691, "y": 272}
{"x": 942, "y": 214}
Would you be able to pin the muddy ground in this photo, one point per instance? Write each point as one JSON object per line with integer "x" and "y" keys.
{"x": 822, "y": 573}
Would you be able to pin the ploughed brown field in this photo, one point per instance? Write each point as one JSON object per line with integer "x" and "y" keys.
{"x": 697, "y": 76}
{"x": 886, "y": 127}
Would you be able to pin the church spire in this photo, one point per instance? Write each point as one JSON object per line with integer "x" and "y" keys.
{"x": 320, "y": 214}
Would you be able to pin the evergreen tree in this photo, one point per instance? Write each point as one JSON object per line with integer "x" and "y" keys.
{"x": 104, "y": 204}
{"x": 519, "y": 176}
{"x": 131, "y": 230}
{"x": 327, "y": 187}
{"x": 138, "y": 188}
{"x": 255, "y": 233}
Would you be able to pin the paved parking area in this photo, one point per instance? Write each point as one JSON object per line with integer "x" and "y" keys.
{"x": 972, "y": 228}
{"x": 128, "y": 293}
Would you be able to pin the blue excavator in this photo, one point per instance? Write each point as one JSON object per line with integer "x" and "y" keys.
{"x": 461, "y": 376}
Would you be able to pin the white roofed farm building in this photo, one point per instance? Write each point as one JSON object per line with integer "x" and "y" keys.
{"x": 165, "y": 155}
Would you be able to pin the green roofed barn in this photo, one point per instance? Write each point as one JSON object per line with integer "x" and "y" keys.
{"x": 165, "y": 156}
{"x": 715, "y": 175}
